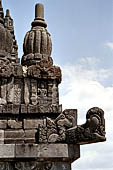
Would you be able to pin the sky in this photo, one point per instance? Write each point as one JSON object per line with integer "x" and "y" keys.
{"x": 82, "y": 37}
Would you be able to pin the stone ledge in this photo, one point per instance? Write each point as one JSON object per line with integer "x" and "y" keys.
{"x": 62, "y": 152}
{"x": 7, "y": 151}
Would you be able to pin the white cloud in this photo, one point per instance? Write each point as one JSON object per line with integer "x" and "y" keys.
{"x": 82, "y": 89}
{"x": 110, "y": 45}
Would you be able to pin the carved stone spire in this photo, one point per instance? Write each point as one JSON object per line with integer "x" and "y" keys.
{"x": 37, "y": 43}
{"x": 8, "y": 21}
{"x": 1, "y": 13}
{"x": 9, "y": 24}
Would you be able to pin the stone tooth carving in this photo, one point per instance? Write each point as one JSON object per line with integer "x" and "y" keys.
{"x": 92, "y": 131}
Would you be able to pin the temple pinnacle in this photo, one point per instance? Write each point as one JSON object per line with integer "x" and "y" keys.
{"x": 39, "y": 11}
{"x": 7, "y": 13}
{"x": 39, "y": 16}
{"x": 0, "y": 3}
{"x": 1, "y": 13}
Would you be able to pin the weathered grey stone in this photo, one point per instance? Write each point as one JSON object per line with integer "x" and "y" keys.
{"x": 0, "y": 108}
{"x": 32, "y": 109}
{"x": 24, "y": 108}
{"x": 61, "y": 166}
{"x": 26, "y": 151}
{"x": 17, "y": 91}
{"x": 1, "y": 136}
{"x": 30, "y": 136}
{"x": 55, "y": 94}
{"x": 16, "y": 109}
{"x": 8, "y": 108}
{"x": 3, "y": 124}
{"x": 6, "y": 165}
{"x": 14, "y": 136}
{"x": 26, "y": 91}
{"x": 7, "y": 151}
{"x": 18, "y": 70}
{"x": 47, "y": 151}
{"x": 13, "y": 124}
{"x": 32, "y": 123}
{"x": 33, "y": 91}
{"x": 10, "y": 90}
{"x": 53, "y": 151}
{"x": 4, "y": 89}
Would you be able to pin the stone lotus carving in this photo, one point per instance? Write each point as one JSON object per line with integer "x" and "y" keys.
{"x": 92, "y": 131}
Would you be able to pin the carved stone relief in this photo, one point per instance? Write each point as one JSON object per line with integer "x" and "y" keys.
{"x": 25, "y": 165}
{"x": 17, "y": 91}
{"x": 92, "y": 131}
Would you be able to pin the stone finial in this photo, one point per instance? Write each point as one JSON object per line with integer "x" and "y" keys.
{"x": 7, "y": 13}
{"x": 39, "y": 16}
{"x": 1, "y": 13}
{"x": 8, "y": 21}
{"x": 39, "y": 11}
{"x": 0, "y": 3}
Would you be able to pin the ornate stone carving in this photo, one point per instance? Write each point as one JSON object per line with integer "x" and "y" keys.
{"x": 25, "y": 165}
{"x": 6, "y": 69}
{"x": 55, "y": 130}
{"x": 6, "y": 166}
{"x": 92, "y": 131}
{"x": 33, "y": 166}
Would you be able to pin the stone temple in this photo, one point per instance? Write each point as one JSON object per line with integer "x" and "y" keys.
{"x": 35, "y": 133}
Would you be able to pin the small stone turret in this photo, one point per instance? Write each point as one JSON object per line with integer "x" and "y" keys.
{"x": 6, "y": 43}
{"x": 37, "y": 42}
{"x": 1, "y": 13}
{"x": 9, "y": 24}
